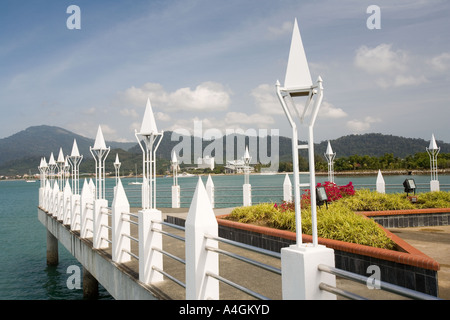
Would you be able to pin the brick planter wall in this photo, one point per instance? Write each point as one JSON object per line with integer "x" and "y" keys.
{"x": 407, "y": 267}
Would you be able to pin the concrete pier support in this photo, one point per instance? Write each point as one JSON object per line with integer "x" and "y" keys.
{"x": 90, "y": 285}
{"x": 52, "y": 249}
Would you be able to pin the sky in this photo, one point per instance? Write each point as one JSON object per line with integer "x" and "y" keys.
{"x": 213, "y": 65}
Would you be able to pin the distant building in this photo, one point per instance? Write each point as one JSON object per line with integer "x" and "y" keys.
{"x": 237, "y": 166}
{"x": 205, "y": 163}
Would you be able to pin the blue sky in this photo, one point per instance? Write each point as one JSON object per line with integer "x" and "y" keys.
{"x": 218, "y": 61}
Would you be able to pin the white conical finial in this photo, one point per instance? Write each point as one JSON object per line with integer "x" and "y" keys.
{"x": 52, "y": 160}
{"x": 148, "y": 126}
{"x": 297, "y": 73}
{"x": 75, "y": 152}
{"x": 117, "y": 162}
{"x": 61, "y": 156}
{"x": 246, "y": 154}
{"x": 174, "y": 158}
{"x": 433, "y": 145}
{"x": 99, "y": 143}
{"x": 200, "y": 211}
{"x": 43, "y": 163}
{"x": 329, "y": 150}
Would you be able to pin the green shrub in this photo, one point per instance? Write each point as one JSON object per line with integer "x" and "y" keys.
{"x": 338, "y": 222}
{"x": 366, "y": 200}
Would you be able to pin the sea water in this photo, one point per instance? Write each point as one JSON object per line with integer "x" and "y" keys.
{"x": 24, "y": 274}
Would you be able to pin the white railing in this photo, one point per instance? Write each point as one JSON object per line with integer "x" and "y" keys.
{"x": 307, "y": 272}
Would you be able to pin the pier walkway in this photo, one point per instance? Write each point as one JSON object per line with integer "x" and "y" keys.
{"x": 122, "y": 280}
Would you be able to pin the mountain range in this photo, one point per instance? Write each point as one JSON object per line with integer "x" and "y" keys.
{"x": 22, "y": 151}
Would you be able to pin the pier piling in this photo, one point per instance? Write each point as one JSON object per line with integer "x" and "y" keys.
{"x": 52, "y": 249}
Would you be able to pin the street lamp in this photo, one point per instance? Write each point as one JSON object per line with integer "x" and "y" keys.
{"x": 152, "y": 138}
{"x": 298, "y": 83}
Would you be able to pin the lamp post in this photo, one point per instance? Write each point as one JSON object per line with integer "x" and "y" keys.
{"x": 61, "y": 162}
{"x": 152, "y": 138}
{"x": 117, "y": 165}
{"x": 300, "y": 262}
{"x": 100, "y": 153}
{"x": 175, "y": 187}
{"x": 75, "y": 159}
{"x": 247, "y": 188}
{"x": 150, "y": 241}
{"x": 433, "y": 151}
{"x": 43, "y": 168}
{"x": 330, "y": 155}
{"x": 51, "y": 167}
{"x": 298, "y": 83}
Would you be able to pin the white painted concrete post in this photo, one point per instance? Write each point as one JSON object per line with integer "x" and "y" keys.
{"x": 75, "y": 204}
{"x": 67, "y": 203}
{"x": 149, "y": 239}
{"x": 434, "y": 185}
{"x": 47, "y": 196}
{"x": 100, "y": 224}
{"x": 87, "y": 212}
{"x": 287, "y": 189}
{"x": 210, "y": 190}
{"x": 381, "y": 186}
{"x": 176, "y": 196}
{"x": 247, "y": 194}
{"x": 300, "y": 274}
{"x": 60, "y": 210}
{"x": 120, "y": 226}
{"x": 55, "y": 198}
{"x": 201, "y": 221}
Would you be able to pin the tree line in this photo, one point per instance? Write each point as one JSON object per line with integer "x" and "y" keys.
{"x": 418, "y": 161}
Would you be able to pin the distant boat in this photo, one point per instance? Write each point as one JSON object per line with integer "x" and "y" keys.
{"x": 136, "y": 182}
{"x": 30, "y": 180}
{"x": 185, "y": 174}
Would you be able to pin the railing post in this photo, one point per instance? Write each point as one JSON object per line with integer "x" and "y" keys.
{"x": 287, "y": 189}
{"x": 67, "y": 204}
{"x": 381, "y": 186}
{"x": 60, "y": 209}
{"x": 87, "y": 201}
{"x": 201, "y": 221}
{"x": 247, "y": 194}
{"x": 75, "y": 212}
{"x": 149, "y": 239}
{"x": 54, "y": 205}
{"x": 210, "y": 190}
{"x": 100, "y": 221}
{"x": 47, "y": 196}
{"x": 300, "y": 274}
{"x": 176, "y": 196}
{"x": 119, "y": 226}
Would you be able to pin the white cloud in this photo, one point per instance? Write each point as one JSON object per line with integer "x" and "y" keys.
{"x": 381, "y": 59}
{"x": 285, "y": 28}
{"x": 441, "y": 62}
{"x": 266, "y": 99}
{"x": 391, "y": 67}
{"x": 327, "y": 110}
{"x": 207, "y": 96}
{"x": 357, "y": 126}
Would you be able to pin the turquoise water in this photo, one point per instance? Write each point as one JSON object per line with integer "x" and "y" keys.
{"x": 24, "y": 274}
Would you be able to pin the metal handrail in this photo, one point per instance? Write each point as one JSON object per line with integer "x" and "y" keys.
{"x": 245, "y": 246}
{"x": 405, "y": 292}
{"x": 237, "y": 286}
{"x": 244, "y": 259}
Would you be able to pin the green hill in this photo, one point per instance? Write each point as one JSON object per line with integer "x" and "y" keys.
{"x": 22, "y": 151}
